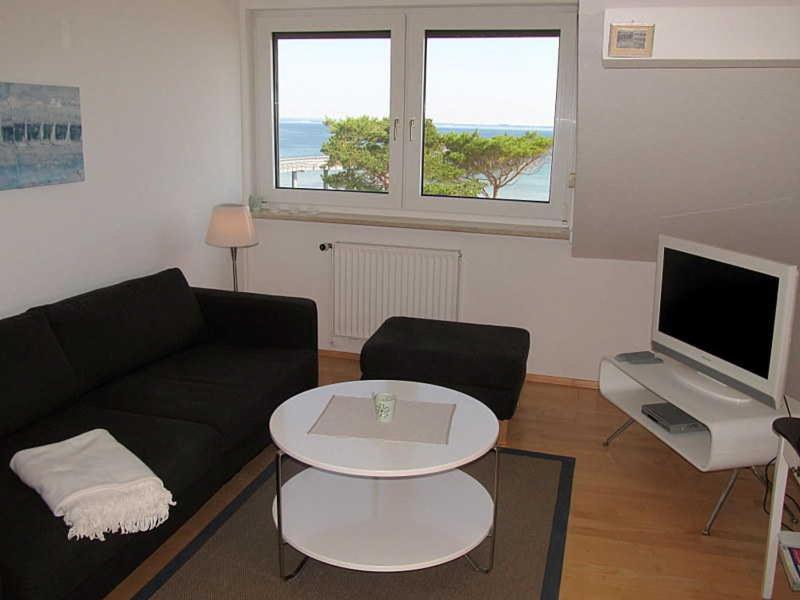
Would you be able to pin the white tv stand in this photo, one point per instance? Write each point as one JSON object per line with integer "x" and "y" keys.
{"x": 737, "y": 435}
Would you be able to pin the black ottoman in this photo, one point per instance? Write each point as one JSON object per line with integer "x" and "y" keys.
{"x": 487, "y": 362}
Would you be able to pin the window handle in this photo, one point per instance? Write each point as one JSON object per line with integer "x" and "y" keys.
{"x": 394, "y": 129}
{"x": 411, "y": 123}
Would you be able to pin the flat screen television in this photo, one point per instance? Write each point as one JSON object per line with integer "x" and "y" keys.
{"x": 727, "y": 316}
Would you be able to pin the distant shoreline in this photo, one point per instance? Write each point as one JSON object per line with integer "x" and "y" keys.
{"x": 439, "y": 124}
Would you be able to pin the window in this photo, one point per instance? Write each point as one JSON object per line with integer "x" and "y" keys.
{"x": 495, "y": 141}
{"x": 438, "y": 110}
{"x": 332, "y": 110}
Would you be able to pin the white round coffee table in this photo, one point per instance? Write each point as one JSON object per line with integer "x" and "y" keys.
{"x": 377, "y": 505}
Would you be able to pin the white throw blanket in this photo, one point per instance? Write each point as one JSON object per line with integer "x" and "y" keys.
{"x": 96, "y": 484}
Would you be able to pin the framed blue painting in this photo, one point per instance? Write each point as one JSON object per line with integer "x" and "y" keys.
{"x": 41, "y": 136}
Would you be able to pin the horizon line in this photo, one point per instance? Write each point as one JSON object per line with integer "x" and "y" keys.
{"x": 320, "y": 119}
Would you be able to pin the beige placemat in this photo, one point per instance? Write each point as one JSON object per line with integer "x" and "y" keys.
{"x": 348, "y": 416}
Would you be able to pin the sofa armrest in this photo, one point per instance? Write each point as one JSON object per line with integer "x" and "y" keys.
{"x": 259, "y": 319}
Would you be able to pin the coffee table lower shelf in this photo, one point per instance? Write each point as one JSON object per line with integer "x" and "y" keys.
{"x": 383, "y": 525}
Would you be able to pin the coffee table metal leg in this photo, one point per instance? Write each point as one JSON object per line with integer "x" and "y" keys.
{"x": 279, "y": 509}
{"x": 493, "y": 533}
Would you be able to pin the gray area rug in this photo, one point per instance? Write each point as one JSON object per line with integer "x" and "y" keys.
{"x": 236, "y": 555}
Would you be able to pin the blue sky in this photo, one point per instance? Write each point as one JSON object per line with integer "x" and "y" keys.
{"x": 481, "y": 81}
{"x": 32, "y": 102}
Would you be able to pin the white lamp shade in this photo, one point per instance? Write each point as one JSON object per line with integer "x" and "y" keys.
{"x": 231, "y": 226}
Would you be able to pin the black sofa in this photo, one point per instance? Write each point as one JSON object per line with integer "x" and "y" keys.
{"x": 185, "y": 378}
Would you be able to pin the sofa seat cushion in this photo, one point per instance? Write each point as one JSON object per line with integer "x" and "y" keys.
{"x": 36, "y": 377}
{"x": 233, "y": 389}
{"x": 36, "y": 559}
{"x": 111, "y": 331}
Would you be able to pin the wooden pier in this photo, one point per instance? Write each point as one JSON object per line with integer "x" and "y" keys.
{"x": 298, "y": 164}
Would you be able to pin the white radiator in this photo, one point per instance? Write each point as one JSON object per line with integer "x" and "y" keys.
{"x": 373, "y": 282}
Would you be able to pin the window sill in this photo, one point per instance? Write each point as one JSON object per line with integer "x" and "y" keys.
{"x": 553, "y": 232}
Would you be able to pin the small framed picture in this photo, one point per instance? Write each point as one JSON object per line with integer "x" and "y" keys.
{"x": 631, "y": 40}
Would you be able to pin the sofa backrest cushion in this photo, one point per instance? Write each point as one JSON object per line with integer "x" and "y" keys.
{"x": 35, "y": 376}
{"x": 111, "y": 331}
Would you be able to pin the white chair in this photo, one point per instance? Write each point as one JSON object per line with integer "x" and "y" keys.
{"x": 788, "y": 430}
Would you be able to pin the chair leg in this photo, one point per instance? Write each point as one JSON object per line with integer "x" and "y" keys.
{"x": 775, "y": 519}
{"x": 502, "y": 439}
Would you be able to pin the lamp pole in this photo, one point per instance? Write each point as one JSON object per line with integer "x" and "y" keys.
{"x": 234, "y": 256}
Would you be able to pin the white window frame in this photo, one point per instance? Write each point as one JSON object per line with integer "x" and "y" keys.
{"x": 493, "y": 19}
{"x": 324, "y": 21}
{"x": 407, "y": 29}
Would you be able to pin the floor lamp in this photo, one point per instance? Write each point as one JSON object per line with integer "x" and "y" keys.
{"x": 231, "y": 226}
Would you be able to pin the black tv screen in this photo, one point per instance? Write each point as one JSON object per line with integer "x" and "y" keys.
{"x": 721, "y": 309}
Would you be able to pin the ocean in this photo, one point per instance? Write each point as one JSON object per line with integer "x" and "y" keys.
{"x": 305, "y": 138}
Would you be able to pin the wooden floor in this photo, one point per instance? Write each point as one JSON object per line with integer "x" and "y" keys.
{"x": 637, "y": 508}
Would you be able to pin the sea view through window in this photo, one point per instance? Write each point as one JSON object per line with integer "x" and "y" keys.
{"x": 304, "y": 138}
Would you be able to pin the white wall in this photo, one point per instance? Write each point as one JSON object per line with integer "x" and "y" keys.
{"x": 160, "y": 101}
{"x": 708, "y": 154}
{"x": 655, "y": 143}
{"x": 576, "y": 309}
{"x": 652, "y": 144}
